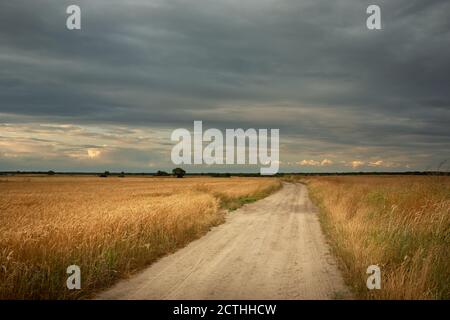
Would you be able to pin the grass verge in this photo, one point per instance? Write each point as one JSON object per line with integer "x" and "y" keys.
{"x": 401, "y": 224}
{"x": 233, "y": 203}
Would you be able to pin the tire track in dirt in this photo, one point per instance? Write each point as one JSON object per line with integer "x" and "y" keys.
{"x": 271, "y": 249}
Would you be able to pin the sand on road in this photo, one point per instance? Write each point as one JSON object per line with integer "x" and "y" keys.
{"x": 271, "y": 249}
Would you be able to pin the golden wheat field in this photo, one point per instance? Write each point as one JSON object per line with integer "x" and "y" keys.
{"x": 401, "y": 224}
{"x": 110, "y": 227}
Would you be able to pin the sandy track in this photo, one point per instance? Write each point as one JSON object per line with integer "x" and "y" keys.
{"x": 271, "y": 249}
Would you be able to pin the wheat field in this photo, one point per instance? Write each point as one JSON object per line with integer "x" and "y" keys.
{"x": 110, "y": 227}
{"x": 400, "y": 223}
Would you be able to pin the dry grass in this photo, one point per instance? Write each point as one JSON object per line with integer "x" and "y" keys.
{"x": 402, "y": 224}
{"x": 109, "y": 227}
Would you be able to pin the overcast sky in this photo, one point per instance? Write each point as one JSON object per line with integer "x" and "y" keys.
{"x": 107, "y": 97}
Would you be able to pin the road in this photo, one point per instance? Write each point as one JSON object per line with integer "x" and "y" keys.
{"x": 271, "y": 249}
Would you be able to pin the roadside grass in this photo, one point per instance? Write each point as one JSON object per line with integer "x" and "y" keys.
{"x": 401, "y": 224}
{"x": 234, "y": 203}
{"x": 109, "y": 227}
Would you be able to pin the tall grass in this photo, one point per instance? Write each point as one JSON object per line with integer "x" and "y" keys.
{"x": 401, "y": 224}
{"x": 109, "y": 227}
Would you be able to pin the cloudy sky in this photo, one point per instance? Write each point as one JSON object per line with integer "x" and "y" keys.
{"x": 107, "y": 97}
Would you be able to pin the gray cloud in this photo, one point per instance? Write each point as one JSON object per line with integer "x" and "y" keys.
{"x": 310, "y": 68}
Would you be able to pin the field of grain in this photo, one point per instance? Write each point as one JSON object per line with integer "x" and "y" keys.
{"x": 400, "y": 223}
{"x": 110, "y": 227}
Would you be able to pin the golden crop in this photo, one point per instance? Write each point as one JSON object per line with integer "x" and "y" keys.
{"x": 401, "y": 224}
{"x": 110, "y": 227}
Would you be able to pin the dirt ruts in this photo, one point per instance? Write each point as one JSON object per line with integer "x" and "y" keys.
{"x": 271, "y": 249}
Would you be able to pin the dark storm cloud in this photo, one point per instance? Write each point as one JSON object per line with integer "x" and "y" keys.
{"x": 310, "y": 68}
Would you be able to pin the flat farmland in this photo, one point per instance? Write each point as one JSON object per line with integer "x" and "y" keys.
{"x": 110, "y": 227}
{"x": 400, "y": 223}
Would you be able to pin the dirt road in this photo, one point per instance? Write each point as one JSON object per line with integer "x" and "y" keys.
{"x": 271, "y": 249}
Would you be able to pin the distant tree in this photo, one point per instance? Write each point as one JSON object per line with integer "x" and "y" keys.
{"x": 51, "y": 172}
{"x": 178, "y": 172}
{"x": 161, "y": 173}
{"x": 104, "y": 175}
{"x": 220, "y": 175}
{"x": 122, "y": 175}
